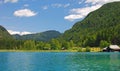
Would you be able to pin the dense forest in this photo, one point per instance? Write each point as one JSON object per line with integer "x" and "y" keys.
{"x": 100, "y": 26}
{"x": 49, "y": 42}
{"x": 99, "y": 29}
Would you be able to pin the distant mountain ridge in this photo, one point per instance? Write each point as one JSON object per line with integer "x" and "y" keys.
{"x": 43, "y": 36}
{"x": 100, "y": 25}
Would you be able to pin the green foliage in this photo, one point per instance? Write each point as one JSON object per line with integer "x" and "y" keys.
{"x": 102, "y": 24}
{"x": 29, "y": 45}
{"x": 71, "y": 44}
{"x": 104, "y": 44}
{"x": 40, "y": 45}
{"x": 55, "y": 44}
{"x": 87, "y": 49}
{"x": 4, "y": 35}
{"x": 66, "y": 45}
{"x": 6, "y": 40}
{"x": 79, "y": 49}
{"x": 47, "y": 46}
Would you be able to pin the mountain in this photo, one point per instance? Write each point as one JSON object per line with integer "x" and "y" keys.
{"x": 44, "y": 36}
{"x": 4, "y": 33}
{"x": 100, "y": 25}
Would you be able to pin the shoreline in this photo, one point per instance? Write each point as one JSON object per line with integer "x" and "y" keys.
{"x": 38, "y": 51}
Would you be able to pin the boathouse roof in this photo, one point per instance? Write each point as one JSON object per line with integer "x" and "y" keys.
{"x": 114, "y": 47}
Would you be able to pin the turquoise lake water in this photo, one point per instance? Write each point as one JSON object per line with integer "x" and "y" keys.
{"x": 62, "y": 61}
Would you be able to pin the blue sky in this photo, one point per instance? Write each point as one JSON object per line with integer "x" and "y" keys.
{"x": 32, "y": 16}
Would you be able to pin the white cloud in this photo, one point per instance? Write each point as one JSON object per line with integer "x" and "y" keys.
{"x": 99, "y": 1}
{"x": 81, "y": 1}
{"x": 11, "y": 1}
{"x": 17, "y": 32}
{"x": 26, "y": 5}
{"x": 24, "y": 13}
{"x": 45, "y": 7}
{"x": 57, "y": 5}
{"x": 73, "y": 17}
{"x": 66, "y": 5}
{"x": 80, "y": 12}
{"x": 25, "y": 33}
{"x": 13, "y": 32}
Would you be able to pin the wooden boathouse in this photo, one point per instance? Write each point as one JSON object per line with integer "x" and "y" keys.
{"x": 111, "y": 48}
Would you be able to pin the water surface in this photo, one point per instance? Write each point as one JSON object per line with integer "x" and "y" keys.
{"x": 62, "y": 61}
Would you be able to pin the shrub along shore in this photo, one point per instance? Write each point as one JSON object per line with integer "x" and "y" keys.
{"x": 71, "y": 50}
{"x": 38, "y": 50}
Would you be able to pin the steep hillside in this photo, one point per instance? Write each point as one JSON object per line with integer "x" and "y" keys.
{"x": 44, "y": 36}
{"x": 4, "y": 33}
{"x": 100, "y": 25}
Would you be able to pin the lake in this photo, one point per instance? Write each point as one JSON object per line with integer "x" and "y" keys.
{"x": 59, "y": 61}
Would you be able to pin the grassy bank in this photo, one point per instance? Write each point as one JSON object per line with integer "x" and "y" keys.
{"x": 38, "y": 51}
{"x": 74, "y": 49}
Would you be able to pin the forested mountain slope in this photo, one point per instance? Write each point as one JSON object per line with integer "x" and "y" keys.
{"x": 4, "y": 33}
{"x": 100, "y": 25}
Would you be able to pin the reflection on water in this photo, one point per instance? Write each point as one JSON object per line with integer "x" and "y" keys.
{"x": 114, "y": 62}
{"x": 51, "y": 61}
{"x": 16, "y": 60}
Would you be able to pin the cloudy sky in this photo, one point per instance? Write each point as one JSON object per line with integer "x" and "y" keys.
{"x": 31, "y": 16}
